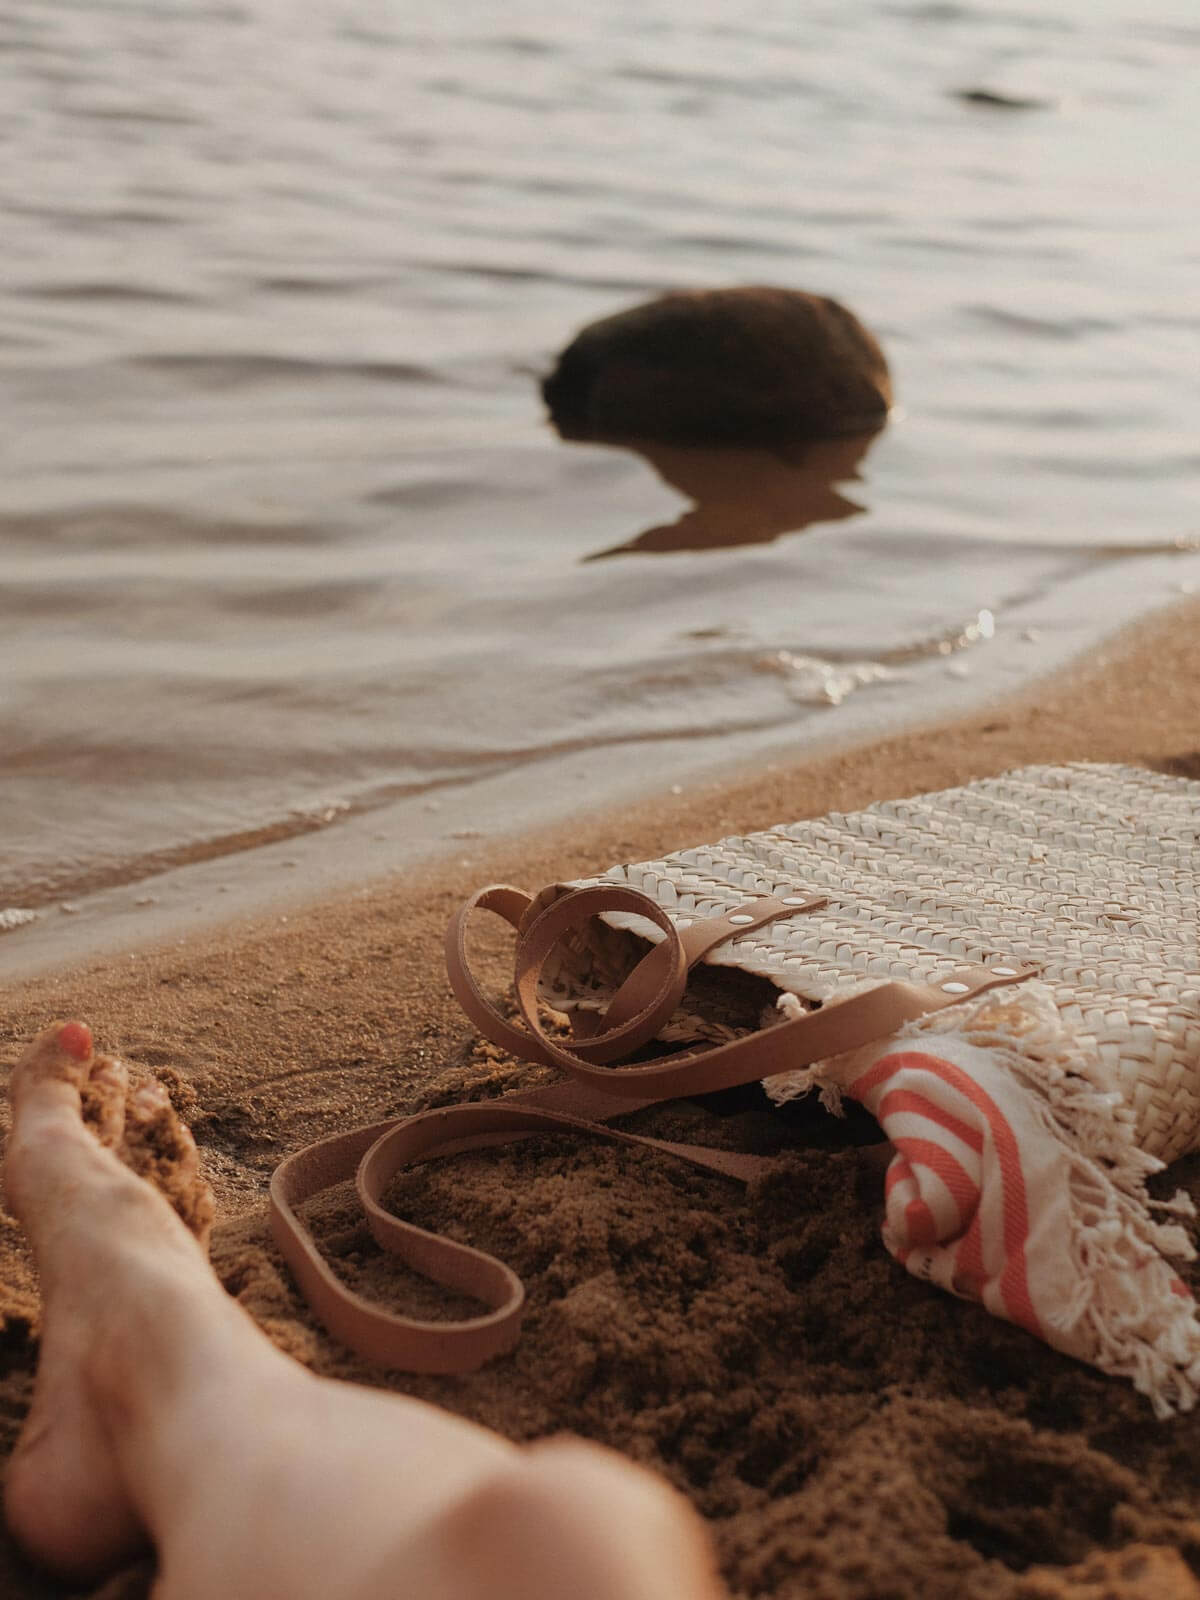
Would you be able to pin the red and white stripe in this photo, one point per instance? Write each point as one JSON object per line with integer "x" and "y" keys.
{"x": 972, "y": 1170}
{"x": 990, "y": 1196}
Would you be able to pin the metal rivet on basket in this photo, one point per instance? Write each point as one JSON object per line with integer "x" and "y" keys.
{"x": 793, "y": 900}
{"x": 741, "y": 917}
{"x": 1005, "y": 972}
{"x": 956, "y": 988}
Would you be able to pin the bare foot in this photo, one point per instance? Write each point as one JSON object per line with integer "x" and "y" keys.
{"x": 79, "y": 1129}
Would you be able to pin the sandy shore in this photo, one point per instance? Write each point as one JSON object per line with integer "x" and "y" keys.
{"x": 846, "y": 1430}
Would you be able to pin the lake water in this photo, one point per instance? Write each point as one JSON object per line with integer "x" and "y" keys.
{"x": 284, "y": 535}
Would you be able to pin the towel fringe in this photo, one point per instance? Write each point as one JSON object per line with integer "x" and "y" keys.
{"x": 1129, "y": 1314}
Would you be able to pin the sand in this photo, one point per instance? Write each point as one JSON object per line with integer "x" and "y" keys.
{"x": 846, "y": 1430}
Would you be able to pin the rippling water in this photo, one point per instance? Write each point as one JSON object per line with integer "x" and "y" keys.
{"x": 283, "y": 533}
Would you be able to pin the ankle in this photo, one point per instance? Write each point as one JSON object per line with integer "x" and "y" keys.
{"x": 167, "y": 1376}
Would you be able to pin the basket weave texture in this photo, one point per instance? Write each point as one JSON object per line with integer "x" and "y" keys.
{"x": 1091, "y": 872}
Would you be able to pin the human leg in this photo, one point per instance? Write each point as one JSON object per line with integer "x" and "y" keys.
{"x": 162, "y": 1413}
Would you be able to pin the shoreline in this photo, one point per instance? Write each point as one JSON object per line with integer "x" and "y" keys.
{"x": 307, "y": 873}
{"x": 840, "y": 1384}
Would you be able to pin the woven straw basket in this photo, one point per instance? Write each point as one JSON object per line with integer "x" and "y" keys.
{"x": 1092, "y": 873}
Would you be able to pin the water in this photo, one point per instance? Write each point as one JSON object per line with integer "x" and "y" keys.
{"x": 283, "y": 533}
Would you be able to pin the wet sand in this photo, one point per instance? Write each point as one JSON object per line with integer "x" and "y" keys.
{"x": 846, "y": 1430}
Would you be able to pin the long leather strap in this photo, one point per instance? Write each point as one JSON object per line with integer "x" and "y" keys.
{"x": 591, "y": 1093}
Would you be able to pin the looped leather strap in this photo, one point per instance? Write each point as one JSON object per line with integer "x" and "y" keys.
{"x": 591, "y": 1093}
{"x": 644, "y": 1001}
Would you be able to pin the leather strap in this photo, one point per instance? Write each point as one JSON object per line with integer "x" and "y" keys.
{"x": 648, "y": 996}
{"x": 591, "y": 1093}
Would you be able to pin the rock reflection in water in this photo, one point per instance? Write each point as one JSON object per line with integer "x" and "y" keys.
{"x": 742, "y": 497}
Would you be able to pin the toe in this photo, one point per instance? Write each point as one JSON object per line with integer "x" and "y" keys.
{"x": 148, "y": 1144}
{"x": 61, "y": 1053}
{"x": 161, "y": 1148}
{"x": 149, "y": 1101}
{"x": 195, "y": 1204}
{"x": 188, "y": 1159}
{"x": 104, "y": 1097}
{"x": 48, "y": 1147}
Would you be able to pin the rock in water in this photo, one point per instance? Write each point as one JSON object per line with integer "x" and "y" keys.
{"x": 750, "y": 366}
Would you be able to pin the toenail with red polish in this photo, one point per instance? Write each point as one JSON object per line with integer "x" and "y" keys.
{"x": 76, "y": 1039}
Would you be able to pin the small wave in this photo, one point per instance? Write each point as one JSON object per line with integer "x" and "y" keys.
{"x": 20, "y": 43}
{"x": 1030, "y": 19}
{"x": 999, "y": 100}
{"x": 233, "y": 371}
{"x": 1174, "y": 33}
{"x": 1025, "y": 416}
{"x": 519, "y": 45}
{"x": 1152, "y": 469}
{"x": 425, "y": 494}
{"x": 740, "y": 244}
{"x": 327, "y": 599}
{"x": 110, "y": 527}
{"x": 316, "y": 286}
{"x": 816, "y": 682}
{"x": 375, "y": 37}
{"x": 49, "y": 885}
{"x": 506, "y": 274}
{"x": 154, "y": 116}
{"x": 1064, "y": 328}
{"x": 750, "y": 86}
{"x": 133, "y": 293}
{"x": 931, "y": 11}
{"x": 13, "y": 917}
{"x": 947, "y": 642}
{"x": 82, "y": 219}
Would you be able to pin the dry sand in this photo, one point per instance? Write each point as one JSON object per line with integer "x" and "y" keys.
{"x": 846, "y": 1430}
